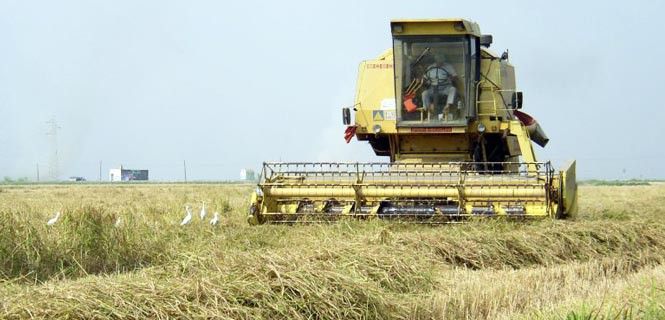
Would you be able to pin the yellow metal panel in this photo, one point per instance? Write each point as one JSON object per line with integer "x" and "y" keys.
{"x": 569, "y": 188}
{"x": 518, "y": 129}
{"x": 432, "y": 144}
{"x": 375, "y": 94}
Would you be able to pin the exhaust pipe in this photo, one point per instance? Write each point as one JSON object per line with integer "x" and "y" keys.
{"x": 533, "y": 127}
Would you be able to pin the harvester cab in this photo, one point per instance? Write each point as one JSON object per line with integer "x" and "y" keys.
{"x": 445, "y": 111}
{"x": 434, "y": 76}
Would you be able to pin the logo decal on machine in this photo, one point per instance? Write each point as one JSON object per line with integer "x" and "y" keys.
{"x": 388, "y": 106}
{"x": 377, "y": 115}
{"x": 432, "y": 130}
{"x": 379, "y": 66}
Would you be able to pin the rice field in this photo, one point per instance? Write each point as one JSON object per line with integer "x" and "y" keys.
{"x": 118, "y": 251}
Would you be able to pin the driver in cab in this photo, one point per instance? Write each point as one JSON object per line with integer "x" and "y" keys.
{"x": 440, "y": 78}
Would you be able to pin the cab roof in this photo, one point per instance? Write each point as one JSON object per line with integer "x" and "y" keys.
{"x": 454, "y": 26}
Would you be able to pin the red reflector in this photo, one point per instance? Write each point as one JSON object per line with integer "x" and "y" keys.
{"x": 349, "y": 133}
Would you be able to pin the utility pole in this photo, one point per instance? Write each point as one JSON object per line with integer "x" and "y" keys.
{"x": 184, "y": 166}
{"x": 100, "y": 170}
{"x": 53, "y": 159}
{"x": 37, "y": 166}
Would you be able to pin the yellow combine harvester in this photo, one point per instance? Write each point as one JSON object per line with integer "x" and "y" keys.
{"x": 445, "y": 110}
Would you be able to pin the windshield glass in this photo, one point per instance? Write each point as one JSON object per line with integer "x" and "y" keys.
{"x": 433, "y": 80}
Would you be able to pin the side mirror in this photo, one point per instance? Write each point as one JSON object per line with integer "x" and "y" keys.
{"x": 486, "y": 40}
{"x": 346, "y": 116}
{"x": 517, "y": 100}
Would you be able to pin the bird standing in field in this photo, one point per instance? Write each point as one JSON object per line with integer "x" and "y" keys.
{"x": 188, "y": 217}
{"x": 215, "y": 220}
{"x": 203, "y": 211}
{"x": 53, "y": 220}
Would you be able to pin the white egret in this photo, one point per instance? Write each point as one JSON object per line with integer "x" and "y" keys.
{"x": 215, "y": 220}
{"x": 53, "y": 220}
{"x": 203, "y": 210}
{"x": 188, "y": 217}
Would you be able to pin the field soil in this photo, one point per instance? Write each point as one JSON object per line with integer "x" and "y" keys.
{"x": 119, "y": 251}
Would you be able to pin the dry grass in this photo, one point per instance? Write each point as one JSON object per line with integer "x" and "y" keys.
{"x": 608, "y": 262}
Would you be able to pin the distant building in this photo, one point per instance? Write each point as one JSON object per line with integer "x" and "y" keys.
{"x": 122, "y": 174}
{"x": 247, "y": 175}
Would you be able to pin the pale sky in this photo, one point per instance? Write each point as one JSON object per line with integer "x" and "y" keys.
{"x": 224, "y": 86}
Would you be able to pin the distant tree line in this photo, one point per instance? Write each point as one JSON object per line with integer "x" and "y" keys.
{"x": 7, "y": 179}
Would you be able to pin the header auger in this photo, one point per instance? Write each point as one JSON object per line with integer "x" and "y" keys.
{"x": 444, "y": 109}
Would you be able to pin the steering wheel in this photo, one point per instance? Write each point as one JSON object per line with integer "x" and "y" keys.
{"x": 427, "y": 78}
